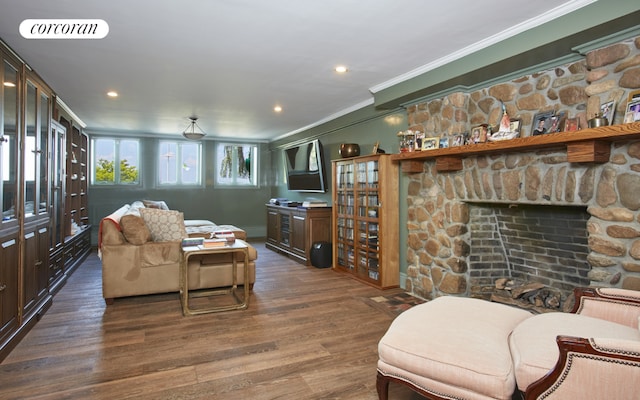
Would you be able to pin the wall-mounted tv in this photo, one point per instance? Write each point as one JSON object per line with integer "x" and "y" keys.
{"x": 305, "y": 167}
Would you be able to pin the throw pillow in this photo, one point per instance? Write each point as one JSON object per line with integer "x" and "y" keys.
{"x": 160, "y": 205}
{"x": 134, "y": 229}
{"x": 164, "y": 225}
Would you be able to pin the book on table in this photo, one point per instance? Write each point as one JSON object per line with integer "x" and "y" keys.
{"x": 190, "y": 242}
{"x": 212, "y": 243}
{"x": 227, "y": 235}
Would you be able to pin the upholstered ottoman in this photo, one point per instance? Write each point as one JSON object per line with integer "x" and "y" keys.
{"x": 451, "y": 347}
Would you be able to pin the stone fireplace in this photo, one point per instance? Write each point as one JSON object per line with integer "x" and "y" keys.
{"x": 605, "y": 195}
{"x": 442, "y": 228}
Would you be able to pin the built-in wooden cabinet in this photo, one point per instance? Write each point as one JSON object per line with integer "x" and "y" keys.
{"x": 9, "y": 254}
{"x": 38, "y": 247}
{"x": 76, "y": 212}
{"x": 294, "y": 230}
{"x": 365, "y": 219}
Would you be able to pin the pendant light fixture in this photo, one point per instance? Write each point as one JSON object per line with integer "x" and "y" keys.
{"x": 193, "y": 131}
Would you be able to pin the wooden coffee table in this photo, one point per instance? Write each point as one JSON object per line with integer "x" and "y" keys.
{"x": 239, "y": 247}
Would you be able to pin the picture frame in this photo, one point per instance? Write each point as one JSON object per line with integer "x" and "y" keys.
{"x": 557, "y": 122}
{"x": 478, "y": 134}
{"x": 419, "y": 139}
{"x": 430, "y": 143}
{"x": 633, "y": 96}
{"x": 444, "y": 142}
{"x": 542, "y": 123}
{"x": 515, "y": 125}
{"x": 458, "y": 140}
{"x": 571, "y": 125}
{"x": 608, "y": 110}
{"x": 633, "y": 111}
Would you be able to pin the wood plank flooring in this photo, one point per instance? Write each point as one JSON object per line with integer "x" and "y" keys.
{"x": 308, "y": 334}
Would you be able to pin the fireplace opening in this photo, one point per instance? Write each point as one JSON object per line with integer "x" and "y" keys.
{"x": 528, "y": 255}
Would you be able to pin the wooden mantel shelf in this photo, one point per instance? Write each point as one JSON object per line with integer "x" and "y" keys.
{"x": 587, "y": 145}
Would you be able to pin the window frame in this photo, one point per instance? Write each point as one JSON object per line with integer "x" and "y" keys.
{"x": 117, "y": 160}
{"x": 199, "y": 164}
{"x": 254, "y": 166}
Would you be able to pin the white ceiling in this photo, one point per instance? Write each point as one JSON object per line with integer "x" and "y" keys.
{"x": 229, "y": 62}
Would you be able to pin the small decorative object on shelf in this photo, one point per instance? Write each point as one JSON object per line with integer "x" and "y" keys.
{"x": 597, "y": 121}
{"x": 348, "y": 150}
{"x": 506, "y": 131}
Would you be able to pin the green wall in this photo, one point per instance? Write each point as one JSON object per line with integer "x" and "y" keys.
{"x": 243, "y": 207}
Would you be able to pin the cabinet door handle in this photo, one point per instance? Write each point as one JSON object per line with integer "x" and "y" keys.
{"x": 38, "y": 263}
{"x": 2, "y": 288}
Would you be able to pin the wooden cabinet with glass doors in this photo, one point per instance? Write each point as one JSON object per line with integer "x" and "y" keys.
{"x": 365, "y": 219}
{"x": 36, "y": 250}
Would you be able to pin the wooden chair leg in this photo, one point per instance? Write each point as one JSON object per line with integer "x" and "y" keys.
{"x": 382, "y": 385}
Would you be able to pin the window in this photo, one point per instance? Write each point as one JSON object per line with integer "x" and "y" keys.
{"x": 115, "y": 161}
{"x": 179, "y": 163}
{"x": 237, "y": 164}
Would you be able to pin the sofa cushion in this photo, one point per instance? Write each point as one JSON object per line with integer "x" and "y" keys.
{"x": 164, "y": 225}
{"x": 157, "y": 204}
{"x": 134, "y": 229}
{"x": 533, "y": 342}
{"x": 460, "y": 342}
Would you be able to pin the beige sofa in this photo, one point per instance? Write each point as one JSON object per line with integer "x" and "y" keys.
{"x": 133, "y": 263}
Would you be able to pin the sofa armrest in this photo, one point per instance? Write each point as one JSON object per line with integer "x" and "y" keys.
{"x": 591, "y": 369}
{"x": 616, "y": 305}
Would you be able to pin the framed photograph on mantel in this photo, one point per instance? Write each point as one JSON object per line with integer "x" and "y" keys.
{"x": 542, "y": 123}
{"x": 608, "y": 110}
{"x": 633, "y": 112}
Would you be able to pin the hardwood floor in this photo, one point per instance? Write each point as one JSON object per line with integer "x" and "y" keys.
{"x": 308, "y": 334}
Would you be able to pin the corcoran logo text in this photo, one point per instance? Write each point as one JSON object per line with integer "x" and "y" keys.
{"x": 64, "y": 28}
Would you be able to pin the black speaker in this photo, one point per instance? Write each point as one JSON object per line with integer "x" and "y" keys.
{"x": 321, "y": 255}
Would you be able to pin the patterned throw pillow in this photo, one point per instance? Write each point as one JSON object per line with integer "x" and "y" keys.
{"x": 164, "y": 225}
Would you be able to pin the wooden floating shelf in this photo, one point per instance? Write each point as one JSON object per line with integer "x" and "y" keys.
{"x": 587, "y": 145}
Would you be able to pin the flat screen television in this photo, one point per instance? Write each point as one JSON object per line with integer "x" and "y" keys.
{"x": 305, "y": 167}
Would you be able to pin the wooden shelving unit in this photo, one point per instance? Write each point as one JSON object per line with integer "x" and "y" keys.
{"x": 77, "y": 199}
{"x": 365, "y": 219}
{"x": 587, "y": 145}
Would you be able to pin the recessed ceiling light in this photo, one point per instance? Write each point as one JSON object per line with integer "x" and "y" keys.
{"x": 277, "y": 109}
{"x": 112, "y": 93}
{"x": 341, "y": 69}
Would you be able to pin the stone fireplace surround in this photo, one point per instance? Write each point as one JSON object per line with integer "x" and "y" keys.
{"x": 439, "y": 213}
{"x": 439, "y": 202}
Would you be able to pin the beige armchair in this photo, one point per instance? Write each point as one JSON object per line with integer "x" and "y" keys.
{"x": 462, "y": 348}
{"x": 591, "y": 364}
